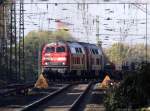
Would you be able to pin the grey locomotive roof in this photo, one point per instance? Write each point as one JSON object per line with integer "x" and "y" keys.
{"x": 74, "y": 44}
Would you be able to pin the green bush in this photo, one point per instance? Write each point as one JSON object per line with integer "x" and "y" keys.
{"x": 133, "y": 91}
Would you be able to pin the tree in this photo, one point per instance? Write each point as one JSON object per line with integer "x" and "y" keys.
{"x": 62, "y": 34}
{"x": 118, "y": 52}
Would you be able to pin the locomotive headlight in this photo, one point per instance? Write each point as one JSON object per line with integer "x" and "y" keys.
{"x": 46, "y": 63}
{"x": 63, "y": 63}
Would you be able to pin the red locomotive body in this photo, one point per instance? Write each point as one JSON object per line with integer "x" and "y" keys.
{"x": 71, "y": 59}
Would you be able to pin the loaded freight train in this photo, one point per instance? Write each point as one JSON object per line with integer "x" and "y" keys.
{"x": 71, "y": 60}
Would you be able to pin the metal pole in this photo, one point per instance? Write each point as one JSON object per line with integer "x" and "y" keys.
{"x": 10, "y": 49}
{"x": 21, "y": 39}
{"x": 146, "y": 34}
{"x": 14, "y": 42}
{"x": 97, "y": 30}
{"x": 39, "y": 60}
{"x": 6, "y": 17}
{"x": 15, "y": 37}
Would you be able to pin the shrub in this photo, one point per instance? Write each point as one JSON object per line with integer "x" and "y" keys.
{"x": 134, "y": 91}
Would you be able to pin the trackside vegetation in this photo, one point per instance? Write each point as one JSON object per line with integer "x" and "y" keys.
{"x": 132, "y": 93}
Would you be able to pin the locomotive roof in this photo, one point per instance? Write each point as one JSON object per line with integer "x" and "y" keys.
{"x": 89, "y": 45}
{"x": 56, "y": 43}
{"x": 74, "y": 44}
{"x": 70, "y": 43}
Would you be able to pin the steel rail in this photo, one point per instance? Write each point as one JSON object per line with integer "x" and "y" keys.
{"x": 44, "y": 99}
{"x": 76, "y": 103}
{"x": 16, "y": 88}
{"x": 16, "y": 85}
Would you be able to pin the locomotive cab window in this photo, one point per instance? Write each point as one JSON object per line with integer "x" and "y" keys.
{"x": 93, "y": 51}
{"x": 60, "y": 49}
{"x": 80, "y": 50}
{"x": 77, "y": 50}
{"x": 50, "y": 50}
{"x": 96, "y": 51}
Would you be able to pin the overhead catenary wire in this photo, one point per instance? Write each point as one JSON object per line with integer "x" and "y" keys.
{"x": 113, "y": 19}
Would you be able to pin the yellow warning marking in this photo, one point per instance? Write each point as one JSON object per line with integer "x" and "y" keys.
{"x": 105, "y": 82}
{"x": 41, "y": 83}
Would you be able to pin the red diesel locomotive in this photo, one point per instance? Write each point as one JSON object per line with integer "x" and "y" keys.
{"x": 71, "y": 60}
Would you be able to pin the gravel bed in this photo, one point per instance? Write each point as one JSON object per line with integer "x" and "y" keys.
{"x": 93, "y": 100}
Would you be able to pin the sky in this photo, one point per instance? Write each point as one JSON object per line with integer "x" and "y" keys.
{"x": 117, "y": 22}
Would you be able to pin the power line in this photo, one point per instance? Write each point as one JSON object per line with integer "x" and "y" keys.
{"x": 61, "y": 3}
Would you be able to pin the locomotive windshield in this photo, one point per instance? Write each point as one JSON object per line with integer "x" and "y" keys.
{"x": 95, "y": 51}
{"x": 60, "y": 49}
{"x": 50, "y": 50}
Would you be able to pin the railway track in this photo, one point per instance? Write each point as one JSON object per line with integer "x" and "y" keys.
{"x": 18, "y": 102}
{"x": 76, "y": 103}
{"x": 76, "y": 96}
{"x": 15, "y": 88}
{"x": 93, "y": 100}
{"x": 15, "y": 85}
{"x": 67, "y": 98}
{"x": 42, "y": 100}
